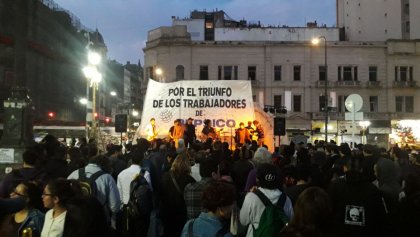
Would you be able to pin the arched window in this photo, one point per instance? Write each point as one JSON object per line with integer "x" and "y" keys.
{"x": 179, "y": 72}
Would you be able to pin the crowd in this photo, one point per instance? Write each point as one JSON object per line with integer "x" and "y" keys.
{"x": 161, "y": 189}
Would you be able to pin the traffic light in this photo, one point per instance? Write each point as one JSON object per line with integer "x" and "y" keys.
{"x": 107, "y": 120}
{"x": 51, "y": 115}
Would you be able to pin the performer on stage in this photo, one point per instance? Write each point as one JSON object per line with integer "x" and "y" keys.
{"x": 208, "y": 131}
{"x": 178, "y": 132}
{"x": 251, "y": 130}
{"x": 189, "y": 134}
{"x": 241, "y": 135}
{"x": 260, "y": 133}
{"x": 151, "y": 130}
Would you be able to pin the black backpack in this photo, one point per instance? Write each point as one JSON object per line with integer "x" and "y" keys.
{"x": 88, "y": 185}
{"x": 140, "y": 204}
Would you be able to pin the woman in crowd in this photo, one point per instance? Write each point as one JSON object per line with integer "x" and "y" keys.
{"x": 312, "y": 215}
{"x": 173, "y": 208}
{"x": 55, "y": 197}
{"x": 218, "y": 199}
{"x": 30, "y": 217}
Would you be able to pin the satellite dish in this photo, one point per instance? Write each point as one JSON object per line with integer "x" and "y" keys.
{"x": 354, "y": 103}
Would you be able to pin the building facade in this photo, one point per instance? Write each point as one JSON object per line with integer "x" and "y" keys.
{"x": 286, "y": 69}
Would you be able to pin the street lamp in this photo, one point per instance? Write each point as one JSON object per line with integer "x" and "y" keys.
{"x": 159, "y": 73}
{"x": 95, "y": 77}
{"x": 364, "y": 125}
{"x": 315, "y": 41}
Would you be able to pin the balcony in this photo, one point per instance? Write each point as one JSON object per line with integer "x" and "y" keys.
{"x": 373, "y": 84}
{"x": 322, "y": 83}
{"x": 348, "y": 83}
{"x": 405, "y": 84}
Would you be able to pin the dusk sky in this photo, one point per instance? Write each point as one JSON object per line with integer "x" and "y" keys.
{"x": 124, "y": 23}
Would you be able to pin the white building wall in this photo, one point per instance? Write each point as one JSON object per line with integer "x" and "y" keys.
{"x": 414, "y": 19}
{"x": 370, "y": 20}
{"x": 275, "y": 34}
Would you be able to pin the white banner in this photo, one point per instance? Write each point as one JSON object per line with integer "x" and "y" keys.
{"x": 225, "y": 103}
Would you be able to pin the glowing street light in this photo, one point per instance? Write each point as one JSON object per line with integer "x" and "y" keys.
{"x": 315, "y": 41}
{"x": 83, "y": 101}
{"x": 135, "y": 113}
{"x": 364, "y": 125}
{"x": 94, "y": 58}
{"x": 113, "y": 93}
{"x": 158, "y": 71}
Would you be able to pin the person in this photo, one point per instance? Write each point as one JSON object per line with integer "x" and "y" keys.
{"x": 303, "y": 173}
{"x": 260, "y": 132}
{"x": 108, "y": 193}
{"x": 8, "y": 206}
{"x": 85, "y": 217}
{"x": 55, "y": 197}
{"x": 208, "y": 131}
{"x": 27, "y": 173}
{"x": 268, "y": 183}
{"x": 151, "y": 130}
{"x": 173, "y": 207}
{"x": 251, "y": 130}
{"x": 241, "y": 135}
{"x": 30, "y": 216}
{"x": 178, "y": 132}
{"x": 358, "y": 208}
{"x": 189, "y": 134}
{"x": 116, "y": 160}
{"x": 127, "y": 175}
{"x": 194, "y": 191}
{"x": 218, "y": 200}
{"x": 312, "y": 215}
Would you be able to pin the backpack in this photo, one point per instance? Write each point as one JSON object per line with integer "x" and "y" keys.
{"x": 88, "y": 185}
{"x": 140, "y": 204}
{"x": 273, "y": 219}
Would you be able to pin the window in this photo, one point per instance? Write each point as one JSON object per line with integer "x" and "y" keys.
{"x": 407, "y": 8}
{"x": 347, "y": 73}
{"x": 322, "y": 73}
{"x": 322, "y": 104}
{"x": 403, "y": 73}
{"x": 341, "y": 100}
{"x": 252, "y": 73}
{"x": 227, "y": 73}
{"x": 150, "y": 73}
{"x": 254, "y": 98}
{"x": 297, "y": 103}
{"x": 277, "y": 101}
{"x": 404, "y": 104}
{"x": 373, "y": 73}
{"x": 407, "y": 26}
{"x": 373, "y": 103}
{"x": 277, "y": 73}
{"x": 204, "y": 72}
{"x": 179, "y": 72}
{"x": 296, "y": 73}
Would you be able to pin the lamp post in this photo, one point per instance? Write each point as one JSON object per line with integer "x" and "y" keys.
{"x": 95, "y": 77}
{"x": 315, "y": 41}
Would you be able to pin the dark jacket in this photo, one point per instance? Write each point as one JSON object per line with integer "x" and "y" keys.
{"x": 358, "y": 207}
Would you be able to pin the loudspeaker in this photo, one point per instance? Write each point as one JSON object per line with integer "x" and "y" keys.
{"x": 279, "y": 126}
{"x": 121, "y": 123}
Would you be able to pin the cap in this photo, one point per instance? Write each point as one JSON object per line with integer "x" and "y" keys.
{"x": 268, "y": 176}
{"x": 11, "y": 205}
